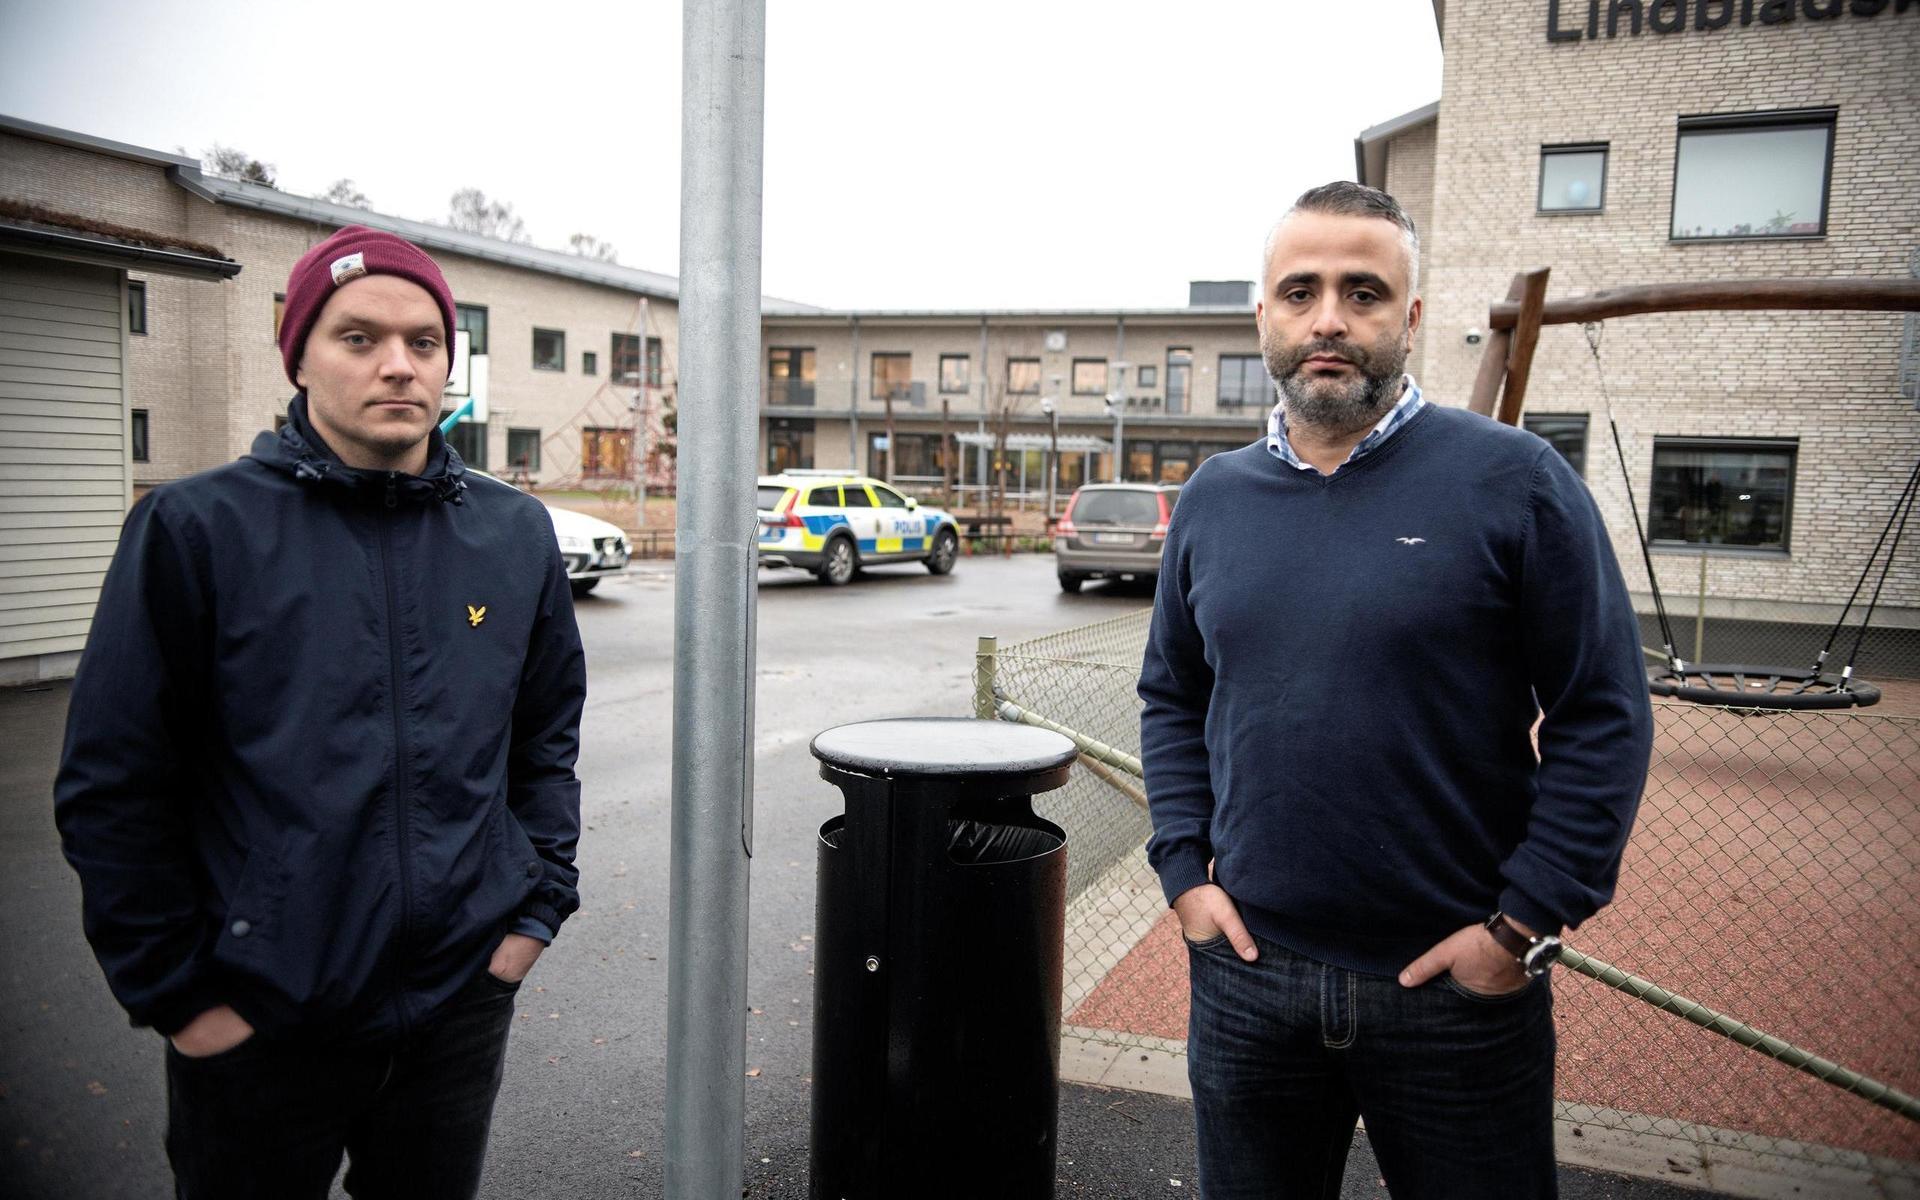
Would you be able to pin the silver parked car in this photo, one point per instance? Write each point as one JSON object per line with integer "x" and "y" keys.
{"x": 1113, "y": 531}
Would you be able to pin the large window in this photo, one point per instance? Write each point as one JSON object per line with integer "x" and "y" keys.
{"x": 892, "y": 377}
{"x": 917, "y": 456}
{"x": 789, "y": 443}
{"x": 523, "y": 450}
{"x": 469, "y": 441}
{"x": 1179, "y": 378}
{"x": 606, "y": 453}
{"x": 1244, "y": 382}
{"x": 1735, "y": 492}
{"x": 468, "y": 318}
{"x": 1573, "y": 178}
{"x": 1023, "y": 377}
{"x": 1089, "y": 376}
{"x": 549, "y": 350}
{"x": 955, "y": 372}
{"x": 1565, "y": 432}
{"x": 790, "y": 375}
{"x": 625, "y": 357}
{"x": 137, "y": 307}
{"x": 1752, "y": 176}
{"x": 139, "y": 435}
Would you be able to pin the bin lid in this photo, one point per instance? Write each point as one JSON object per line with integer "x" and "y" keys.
{"x": 943, "y": 747}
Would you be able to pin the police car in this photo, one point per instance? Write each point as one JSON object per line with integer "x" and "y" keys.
{"x": 833, "y": 524}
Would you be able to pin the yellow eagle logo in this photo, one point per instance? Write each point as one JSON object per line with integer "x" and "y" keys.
{"x": 476, "y": 615}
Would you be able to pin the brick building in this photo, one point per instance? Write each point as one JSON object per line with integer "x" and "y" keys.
{"x": 1637, "y": 143}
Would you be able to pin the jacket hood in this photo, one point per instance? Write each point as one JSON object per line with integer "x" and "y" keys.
{"x": 298, "y": 450}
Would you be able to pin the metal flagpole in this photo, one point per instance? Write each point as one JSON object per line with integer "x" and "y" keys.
{"x": 722, "y": 110}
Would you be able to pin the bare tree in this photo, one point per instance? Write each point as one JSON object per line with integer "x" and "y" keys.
{"x": 230, "y": 163}
{"x": 470, "y": 211}
{"x": 588, "y": 246}
{"x": 344, "y": 192}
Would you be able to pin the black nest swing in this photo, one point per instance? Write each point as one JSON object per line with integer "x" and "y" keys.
{"x": 1748, "y": 686}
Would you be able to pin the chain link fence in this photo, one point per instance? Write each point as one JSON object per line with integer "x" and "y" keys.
{"x": 1772, "y": 875}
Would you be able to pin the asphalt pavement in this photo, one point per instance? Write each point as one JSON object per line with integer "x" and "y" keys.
{"x": 82, "y": 1108}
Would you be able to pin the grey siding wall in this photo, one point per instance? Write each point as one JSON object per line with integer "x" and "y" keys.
{"x": 63, "y": 455}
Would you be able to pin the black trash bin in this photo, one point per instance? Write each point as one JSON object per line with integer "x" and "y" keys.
{"x": 936, "y": 990}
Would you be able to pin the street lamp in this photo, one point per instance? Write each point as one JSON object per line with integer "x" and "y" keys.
{"x": 1115, "y": 399}
{"x": 1048, "y": 407}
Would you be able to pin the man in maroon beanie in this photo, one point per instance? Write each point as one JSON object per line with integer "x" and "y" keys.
{"x": 318, "y": 779}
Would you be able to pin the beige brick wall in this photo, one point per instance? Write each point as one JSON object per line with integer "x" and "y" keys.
{"x": 93, "y": 185}
{"x": 926, "y": 339}
{"x": 1828, "y": 380}
{"x": 1410, "y": 181}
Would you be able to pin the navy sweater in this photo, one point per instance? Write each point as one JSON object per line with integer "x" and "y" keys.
{"x": 1341, "y": 680}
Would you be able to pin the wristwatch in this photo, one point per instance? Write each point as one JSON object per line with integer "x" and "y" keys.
{"x": 1534, "y": 954}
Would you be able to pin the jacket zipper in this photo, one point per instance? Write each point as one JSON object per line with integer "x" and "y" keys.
{"x": 402, "y": 823}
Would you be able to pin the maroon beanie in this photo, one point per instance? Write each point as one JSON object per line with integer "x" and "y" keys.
{"x": 342, "y": 258}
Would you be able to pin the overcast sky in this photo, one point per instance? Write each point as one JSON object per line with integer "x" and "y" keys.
{"x": 1034, "y": 153}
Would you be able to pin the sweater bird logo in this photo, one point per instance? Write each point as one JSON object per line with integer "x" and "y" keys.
{"x": 1410, "y": 541}
{"x": 476, "y": 615}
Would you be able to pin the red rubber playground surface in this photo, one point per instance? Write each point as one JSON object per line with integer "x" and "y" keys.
{"x": 1773, "y": 875}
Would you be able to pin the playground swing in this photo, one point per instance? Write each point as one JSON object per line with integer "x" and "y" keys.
{"x": 1500, "y": 390}
{"x": 1749, "y": 686}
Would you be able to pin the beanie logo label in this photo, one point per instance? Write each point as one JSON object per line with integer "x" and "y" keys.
{"x": 353, "y": 266}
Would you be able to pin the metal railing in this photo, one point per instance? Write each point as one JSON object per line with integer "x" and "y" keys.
{"x": 1773, "y": 874}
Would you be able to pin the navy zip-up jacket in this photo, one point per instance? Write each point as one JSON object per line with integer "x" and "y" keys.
{"x": 320, "y": 747}
{"x": 1342, "y": 675}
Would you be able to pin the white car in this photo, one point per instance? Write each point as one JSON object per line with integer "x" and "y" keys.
{"x": 594, "y": 549}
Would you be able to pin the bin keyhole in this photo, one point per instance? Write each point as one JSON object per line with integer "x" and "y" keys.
{"x": 873, "y": 962}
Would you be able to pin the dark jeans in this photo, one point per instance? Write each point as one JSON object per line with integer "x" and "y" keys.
{"x": 270, "y": 1119}
{"x": 1285, "y": 1052}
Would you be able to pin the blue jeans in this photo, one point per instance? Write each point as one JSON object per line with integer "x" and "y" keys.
{"x": 272, "y": 1118}
{"x": 1284, "y": 1053}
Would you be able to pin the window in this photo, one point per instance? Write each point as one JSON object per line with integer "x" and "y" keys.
{"x": 1023, "y": 376}
{"x": 825, "y": 497}
{"x": 887, "y": 497}
{"x": 789, "y": 444}
{"x": 1565, "y": 432}
{"x": 790, "y": 375}
{"x": 1573, "y": 178}
{"x": 1752, "y": 176}
{"x": 625, "y": 357}
{"x": 1179, "y": 378}
{"x": 606, "y": 453}
{"x": 854, "y": 496}
{"x": 137, "y": 309}
{"x": 589, "y": 363}
{"x": 139, "y": 435}
{"x": 549, "y": 350}
{"x": 892, "y": 376}
{"x": 279, "y": 312}
{"x": 523, "y": 450}
{"x": 655, "y": 359}
{"x": 1089, "y": 377}
{"x": 916, "y": 456}
{"x": 1736, "y": 492}
{"x": 469, "y": 441}
{"x": 472, "y": 318}
{"x": 955, "y": 372}
{"x": 1244, "y": 382}
{"x": 1149, "y": 376}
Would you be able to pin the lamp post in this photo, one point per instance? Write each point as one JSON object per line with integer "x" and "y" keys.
{"x": 1115, "y": 399}
{"x": 1052, "y": 410}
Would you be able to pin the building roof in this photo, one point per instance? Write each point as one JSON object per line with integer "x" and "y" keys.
{"x": 36, "y": 229}
{"x": 1021, "y": 315}
{"x": 1370, "y": 148}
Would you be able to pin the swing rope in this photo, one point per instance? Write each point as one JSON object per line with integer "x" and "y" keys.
{"x": 1903, "y": 508}
{"x": 1674, "y": 663}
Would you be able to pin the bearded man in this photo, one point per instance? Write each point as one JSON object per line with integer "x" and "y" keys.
{"x": 1358, "y": 622}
